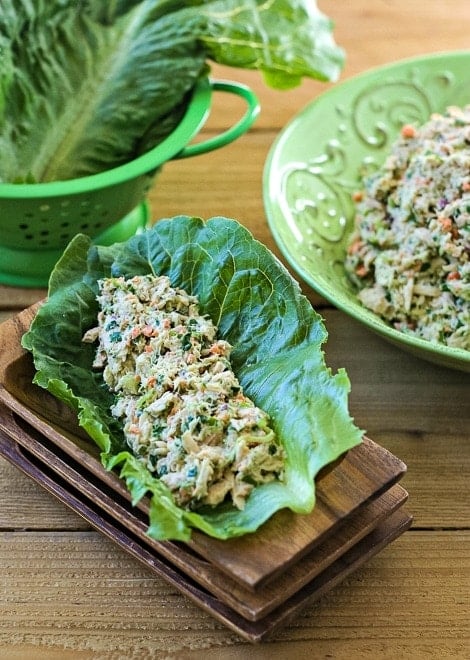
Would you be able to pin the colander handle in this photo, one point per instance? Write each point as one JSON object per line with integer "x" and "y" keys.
{"x": 235, "y": 131}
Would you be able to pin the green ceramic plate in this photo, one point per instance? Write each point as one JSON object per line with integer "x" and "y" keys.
{"x": 316, "y": 163}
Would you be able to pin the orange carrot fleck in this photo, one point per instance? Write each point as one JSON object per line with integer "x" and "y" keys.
{"x": 361, "y": 271}
{"x": 216, "y": 349}
{"x": 446, "y": 223}
{"x": 147, "y": 330}
{"x": 358, "y": 196}
{"x": 355, "y": 246}
{"x": 408, "y": 131}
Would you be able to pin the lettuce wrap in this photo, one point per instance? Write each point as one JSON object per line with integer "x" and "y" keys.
{"x": 277, "y": 355}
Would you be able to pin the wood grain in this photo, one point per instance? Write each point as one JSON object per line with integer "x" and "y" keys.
{"x": 116, "y": 601}
{"x": 401, "y": 393}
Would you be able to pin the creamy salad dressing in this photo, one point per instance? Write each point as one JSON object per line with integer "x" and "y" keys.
{"x": 410, "y": 252}
{"x": 183, "y": 410}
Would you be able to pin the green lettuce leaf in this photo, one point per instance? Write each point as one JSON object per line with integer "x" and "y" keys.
{"x": 86, "y": 86}
{"x": 277, "y": 355}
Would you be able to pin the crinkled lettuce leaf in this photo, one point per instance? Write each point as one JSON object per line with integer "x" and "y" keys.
{"x": 86, "y": 86}
{"x": 277, "y": 340}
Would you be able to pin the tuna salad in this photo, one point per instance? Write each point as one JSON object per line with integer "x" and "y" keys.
{"x": 409, "y": 254}
{"x": 183, "y": 411}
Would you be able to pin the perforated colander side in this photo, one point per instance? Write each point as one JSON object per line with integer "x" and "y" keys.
{"x": 51, "y": 222}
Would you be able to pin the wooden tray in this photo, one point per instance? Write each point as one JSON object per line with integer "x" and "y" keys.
{"x": 254, "y": 583}
{"x": 392, "y": 525}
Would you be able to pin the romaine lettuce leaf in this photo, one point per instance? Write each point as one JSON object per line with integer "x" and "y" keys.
{"x": 277, "y": 355}
{"x": 85, "y": 86}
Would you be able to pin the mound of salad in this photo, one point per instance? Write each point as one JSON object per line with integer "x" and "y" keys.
{"x": 409, "y": 254}
{"x": 182, "y": 408}
{"x": 195, "y": 364}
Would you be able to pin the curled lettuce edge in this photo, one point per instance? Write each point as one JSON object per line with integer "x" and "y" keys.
{"x": 278, "y": 359}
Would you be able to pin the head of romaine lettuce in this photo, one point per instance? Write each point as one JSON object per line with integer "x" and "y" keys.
{"x": 87, "y": 86}
{"x": 277, "y": 355}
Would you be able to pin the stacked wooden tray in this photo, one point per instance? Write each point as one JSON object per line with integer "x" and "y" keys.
{"x": 253, "y": 584}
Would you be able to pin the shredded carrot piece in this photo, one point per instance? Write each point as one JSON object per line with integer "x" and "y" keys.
{"x": 355, "y": 246}
{"x": 446, "y": 224}
{"x": 361, "y": 271}
{"x": 147, "y": 331}
{"x": 408, "y": 131}
{"x": 216, "y": 349}
{"x": 358, "y": 196}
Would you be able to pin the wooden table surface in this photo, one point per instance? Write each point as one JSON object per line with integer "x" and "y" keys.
{"x": 67, "y": 592}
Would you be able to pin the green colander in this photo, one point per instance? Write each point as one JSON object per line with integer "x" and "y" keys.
{"x": 38, "y": 220}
